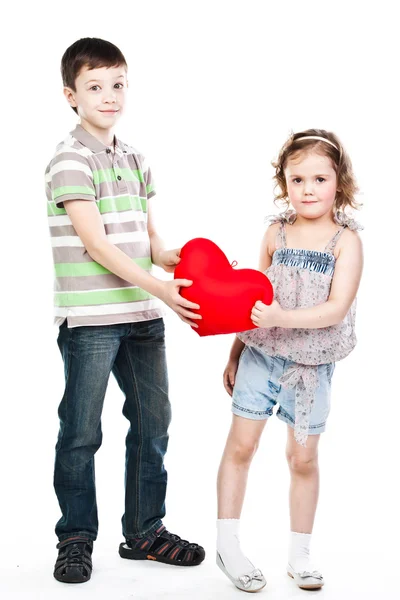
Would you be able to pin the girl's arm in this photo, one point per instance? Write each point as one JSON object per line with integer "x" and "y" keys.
{"x": 345, "y": 283}
{"x": 267, "y": 247}
{"x": 236, "y": 350}
{"x": 266, "y": 251}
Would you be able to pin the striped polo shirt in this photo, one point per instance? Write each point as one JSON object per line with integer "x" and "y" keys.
{"x": 120, "y": 183}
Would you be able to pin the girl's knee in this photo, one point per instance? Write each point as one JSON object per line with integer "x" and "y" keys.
{"x": 242, "y": 451}
{"x": 302, "y": 464}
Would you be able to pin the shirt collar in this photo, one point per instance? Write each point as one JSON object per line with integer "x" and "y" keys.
{"x": 95, "y": 145}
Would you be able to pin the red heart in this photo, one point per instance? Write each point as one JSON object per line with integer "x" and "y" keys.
{"x": 226, "y": 296}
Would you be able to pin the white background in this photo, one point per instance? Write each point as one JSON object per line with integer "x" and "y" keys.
{"x": 215, "y": 89}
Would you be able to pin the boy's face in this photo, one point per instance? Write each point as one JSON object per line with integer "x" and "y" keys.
{"x": 99, "y": 96}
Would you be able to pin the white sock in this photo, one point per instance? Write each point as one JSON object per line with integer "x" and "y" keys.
{"x": 228, "y": 546}
{"x": 299, "y": 551}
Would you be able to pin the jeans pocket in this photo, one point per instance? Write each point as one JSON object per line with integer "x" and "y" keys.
{"x": 330, "y": 367}
{"x": 242, "y": 354}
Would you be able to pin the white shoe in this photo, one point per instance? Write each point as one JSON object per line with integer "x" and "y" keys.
{"x": 251, "y": 582}
{"x": 306, "y": 580}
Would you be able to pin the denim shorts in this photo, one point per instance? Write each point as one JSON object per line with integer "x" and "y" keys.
{"x": 257, "y": 390}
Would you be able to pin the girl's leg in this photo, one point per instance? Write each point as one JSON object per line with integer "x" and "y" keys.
{"x": 241, "y": 445}
{"x": 303, "y": 498}
{"x": 304, "y": 483}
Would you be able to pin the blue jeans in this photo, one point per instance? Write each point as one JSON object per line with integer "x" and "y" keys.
{"x": 258, "y": 389}
{"x": 135, "y": 353}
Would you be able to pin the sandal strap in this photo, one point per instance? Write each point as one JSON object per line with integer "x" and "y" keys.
{"x": 74, "y": 552}
{"x": 163, "y": 543}
{"x": 73, "y": 540}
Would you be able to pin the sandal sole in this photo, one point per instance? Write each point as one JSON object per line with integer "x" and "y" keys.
{"x": 132, "y": 554}
{"x": 63, "y": 580}
{"x": 315, "y": 586}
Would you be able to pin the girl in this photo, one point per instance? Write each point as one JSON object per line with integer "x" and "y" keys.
{"x": 313, "y": 258}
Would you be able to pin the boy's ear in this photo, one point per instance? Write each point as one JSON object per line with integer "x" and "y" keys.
{"x": 70, "y": 96}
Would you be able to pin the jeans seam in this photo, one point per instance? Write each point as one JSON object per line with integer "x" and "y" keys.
{"x": 66, "y": 536}
{"x": 140, "y": 445}
{"x": 252, "y": 412}
{"x": 285, "y": 414}
{"x": 241, "y": 354}
{"x": 146, "y": 533}
{"x": 329, "y": 372}
{"x": 67, "y": 382}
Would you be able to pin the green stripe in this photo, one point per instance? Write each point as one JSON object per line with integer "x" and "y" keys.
{"x": 122, "y": 203}
{"x": 105, "y": 297}
{"x": 149, "y": 188}
{"x": 107, "y": 205}
{"x": 92, "y": 268}
{"x": 72, "y": 189}
{"x": 52, "y": 210}
{"x": 106, "y": 175}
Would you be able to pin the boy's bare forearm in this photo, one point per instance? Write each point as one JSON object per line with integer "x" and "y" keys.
{"x": 157, "y": 246}
{"x": 116, "y": 261}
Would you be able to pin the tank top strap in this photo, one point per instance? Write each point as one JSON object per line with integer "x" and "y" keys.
{"x": 332, "y": 243}
{"x": 281, "y": 235}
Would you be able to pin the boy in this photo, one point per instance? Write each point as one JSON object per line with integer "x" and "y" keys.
{"x": 100, "y": 206}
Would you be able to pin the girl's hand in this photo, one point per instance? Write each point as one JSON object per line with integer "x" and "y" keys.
{"x": 168, "y": 259}
{"x": 230, "y": 374}
{"x": 263, "y": 315}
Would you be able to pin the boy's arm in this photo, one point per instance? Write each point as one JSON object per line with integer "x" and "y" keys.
{"x": 166, "y": 259}
{"x": 86, "y": 220}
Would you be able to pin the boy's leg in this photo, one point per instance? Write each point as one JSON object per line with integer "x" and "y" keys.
{"x": 141, "y": 371}
{"x": 88, "y": 354}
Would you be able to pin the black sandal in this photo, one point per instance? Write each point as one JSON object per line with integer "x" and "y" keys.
{"x": 163, "y": 546}
{"x": 74, "y": 561}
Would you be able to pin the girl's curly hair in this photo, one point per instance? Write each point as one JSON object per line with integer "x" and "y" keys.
{"x": 346, "y": 183}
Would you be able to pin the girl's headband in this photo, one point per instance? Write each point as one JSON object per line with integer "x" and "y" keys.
{"x": 317, "y": 137}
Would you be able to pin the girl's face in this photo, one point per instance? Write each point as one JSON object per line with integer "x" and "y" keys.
{"x": 312, "y": 184}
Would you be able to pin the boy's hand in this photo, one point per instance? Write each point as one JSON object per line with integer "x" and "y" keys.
{"x": 180, "y": 305}
{"x": 263, "y": 315}
{"x": 230, "y": 374}
{"x": 168, "y": 259}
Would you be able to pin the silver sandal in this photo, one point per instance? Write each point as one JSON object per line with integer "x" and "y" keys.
{"x": 251, "y": 582}
{"x": 306, "y": 580}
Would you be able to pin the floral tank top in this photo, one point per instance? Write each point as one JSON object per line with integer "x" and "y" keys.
{"x": 302, "y": 279}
